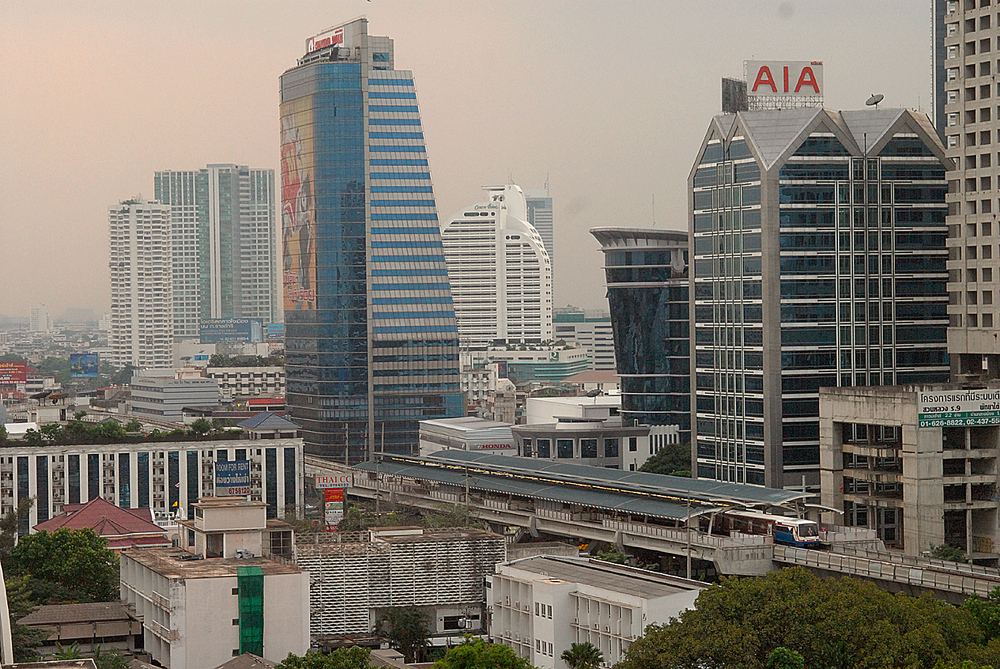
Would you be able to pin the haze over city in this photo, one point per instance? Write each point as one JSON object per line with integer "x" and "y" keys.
{"x": 607, "y": 101}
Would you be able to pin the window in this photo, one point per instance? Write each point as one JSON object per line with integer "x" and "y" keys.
{"x": 633, "y": 444}
{"x": 544, "y": 449}
{"x": 588, "y": 448}
{"x": 611, "y": 448}
{"x": 564, "y": 448}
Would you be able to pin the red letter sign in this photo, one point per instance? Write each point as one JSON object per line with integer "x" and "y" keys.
{"x": 764, "y": 78}
{"x": 807, "y": 78}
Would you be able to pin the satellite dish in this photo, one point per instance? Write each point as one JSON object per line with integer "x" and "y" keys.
{"x": 874, "y": 100}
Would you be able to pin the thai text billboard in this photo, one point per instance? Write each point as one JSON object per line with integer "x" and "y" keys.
{"x": 958, "y": 408}
{"x": 218, "y": 330}
{"x": 13, "y": 372}
{"x": 232, "y": 478}
{"x": 333, "y": 508}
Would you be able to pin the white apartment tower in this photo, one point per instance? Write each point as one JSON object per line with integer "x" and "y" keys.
{"x": 500, "y": 272}
{"x": 142, "y": 328}
{"x": 966, "y": 48}
{"x": 223, "y": 243}
{"x": 39, "y": 319}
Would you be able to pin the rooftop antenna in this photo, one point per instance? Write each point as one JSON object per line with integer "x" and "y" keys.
{"x": 874, "y": 100}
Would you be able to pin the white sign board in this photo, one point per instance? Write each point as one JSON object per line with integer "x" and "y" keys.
{"x": 785, "y": 78}
{"x": 958, "y": 408}
{"x": 334, "y": 481}
{"x": 325, "y": 39}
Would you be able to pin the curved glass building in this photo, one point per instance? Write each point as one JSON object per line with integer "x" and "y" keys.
{"x": 647, "y": 276}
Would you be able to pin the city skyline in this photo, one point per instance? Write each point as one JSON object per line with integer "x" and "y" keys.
{"x": 147, "y": 87}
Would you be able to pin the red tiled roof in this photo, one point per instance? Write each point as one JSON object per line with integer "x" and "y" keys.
{"x": 106, "y": 519}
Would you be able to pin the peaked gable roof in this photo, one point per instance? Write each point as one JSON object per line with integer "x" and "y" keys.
{"x": 106, "y": 519}
{"x": 266, "y": 420}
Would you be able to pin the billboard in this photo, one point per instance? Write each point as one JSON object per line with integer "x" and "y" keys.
{"x": 13, "y": 372}
{"x": 274, "y": 332}
{"x": 298, "y": 205}
{"x": 334, "y": 481}
{"x": 216, "y": 330}
{"x": 326, "y": 38}
{"x": 958, "y": 408}
{"x": 333, "y": 508}
{"x": 232, "y": 478}
{"x": 784, "y": 78}
{"x": 84, "y": 365}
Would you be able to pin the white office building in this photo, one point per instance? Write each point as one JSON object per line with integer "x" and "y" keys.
{"x": 39, "y": 319}
{"x": 542, "y": 605}
{"x": 142, "y": 326}
{"x": 500, "y": 272}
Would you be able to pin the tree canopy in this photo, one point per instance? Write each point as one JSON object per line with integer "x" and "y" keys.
{"x": 582, "y": 656}
{"x": 673, "y": 459}
{"x": 354, "y": 657}
{"x": 477, "y": 654}
{"x": 406, "y": 629}
{"x": 837, "y": 623}
{"x": 66, "y": 566}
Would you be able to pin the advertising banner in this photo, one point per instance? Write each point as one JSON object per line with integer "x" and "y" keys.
{"x": 13, "y": 372}
{"x": 84, "y": 365}
{"x": 333, "y": 508}
{"x": 958, "y": 408}
{"x": 274, "y": 332}
{"x": 232, "y": 478}
{"x": 216, "y": 330}
{"x": 298, "y": 208}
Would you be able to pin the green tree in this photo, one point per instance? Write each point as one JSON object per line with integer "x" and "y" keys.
{"x": 453, "y": 515}
{"x": 783, "y": 658}
{"x": 673, "y": 459}
{"x": 837, "y": 623}
{"x": 67, "y": 565}
{"x": 582, "y": 656}
{"x": 201, "y": 426}
{"x": 3, "y": 434}
{"x": 354, "y": 657}
{"x": 986, "y": 613}
{"x": 477, "y": 654}
{"x": 11, "y": 522}
{"x": 405, "y": 627}
{"x": 947, "y": 552}
{"x": 110, "y": 660}
{"x": 24, "y": 639}
{"x": 133, "y": 425}
{"x": 612, "y": 555}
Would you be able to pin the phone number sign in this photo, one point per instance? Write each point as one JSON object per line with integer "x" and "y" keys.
{"x": 958, "y": 408}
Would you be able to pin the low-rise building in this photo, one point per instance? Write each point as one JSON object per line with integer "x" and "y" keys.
{"x": 165, "y": 396}
{"x": 468, "y": 433}
{"x": 917, "y": 464}
{"x": 235, "y": 382}
{"x": 540, "y": 410}
{"x": 357, "y": 577}
{"x": 542, "y": 605}
{"x": 164, "y": 477}
{"x": 202, "y": 611}
{"x": 100, "y": 626}
{"x": 122, "y": 528}
{"x": 601, "y": 442}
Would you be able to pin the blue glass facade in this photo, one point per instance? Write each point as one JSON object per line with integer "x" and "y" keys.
{"x": 647, "y": 277}
{"x": 819, "y": 260}
{"x": 361, "y": 373}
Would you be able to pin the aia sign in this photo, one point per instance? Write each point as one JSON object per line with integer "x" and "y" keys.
{"x": 784, "y": 78}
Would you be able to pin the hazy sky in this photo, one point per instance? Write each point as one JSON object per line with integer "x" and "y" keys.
{"x": 609, "y": 99}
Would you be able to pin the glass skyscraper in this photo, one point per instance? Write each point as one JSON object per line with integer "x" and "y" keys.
{"x": 819, "y": 259}
{"x": 647, "y": 276}
{"x": 371, "y": 341}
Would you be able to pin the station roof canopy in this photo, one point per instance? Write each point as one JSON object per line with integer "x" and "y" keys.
{"x": 613, "y": 489}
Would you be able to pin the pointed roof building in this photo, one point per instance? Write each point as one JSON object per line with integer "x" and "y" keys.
{"x": 123, "y": 528}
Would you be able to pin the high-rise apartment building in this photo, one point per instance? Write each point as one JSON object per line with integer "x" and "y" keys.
{"x": 39, "y": 319}
{"x": 819, "y": 259}
{"x": 590, "y": 330}
{"x": 967, "y": 43}
{"x": 539, "y": 204}
{"x": 223, "y": 243}
{"x": 647, "y": 277}
{"x": 142, "y": 325}
{"x": 370, "y": 336}
{"x": 500, "y": 274}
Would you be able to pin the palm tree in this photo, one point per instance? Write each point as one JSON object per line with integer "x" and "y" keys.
{"x": 583, "y": 656}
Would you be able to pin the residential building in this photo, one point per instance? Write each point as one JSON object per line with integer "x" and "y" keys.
{"x": 39, "y": 319}
{"x": 370, "y": 333}
{"x": 222, "y": 242}
{"x": 163, "y": 394}
{"x": 441, "y": 571}
{"x": 501, "y": 279}
{"x": 917, "y": 464}
{"x": 235, "y": 382}
{"x": 819, "y": 261}
{"x": 542, "y": 605}
{"x": 164, "y": 477}
{"x": 965, "y": 40}
{"x": 199, "y": 610}
{"x": 540, "y": 216}
{"x": 589, "y": 330}
{"x": 468, "y": 433}
{"x": 122, "y": 528}
{"x": 142, "y": 324}
{"x": 647, "y": 277}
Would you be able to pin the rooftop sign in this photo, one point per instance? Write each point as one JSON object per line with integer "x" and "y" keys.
{"x": 784, "y": 77}
{"x": 325, "y": 39}
{"x": 957, "y": 408}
